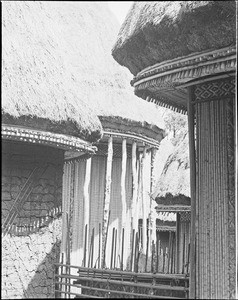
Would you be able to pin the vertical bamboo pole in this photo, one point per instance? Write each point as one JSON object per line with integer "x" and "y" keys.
{"x": 123, "y": 182}
{"x": 134, "y": 183}
{"x": 123, "y": 193}
{"x": 177, "y": 242}
{"x": 144, "y": 215}
{"x": 134, "y": 198}
{"x": 122, "y": 248}
{"x": 115, "y": 250}
{"x": 107, "y": 198}
{"x": 112, "y": 247}
{"x": 152, "y": 220}
{"x": 86, "y": 206}
{"x": 99, "y": 245}
{"x": 64, "y": 209}
{"x": 192, "y": 155}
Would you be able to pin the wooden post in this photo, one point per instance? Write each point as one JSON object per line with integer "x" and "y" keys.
{"x": 144, "y": 215}
{"x": 123, "y": 182}
{"x": 152, "y": 220}
{"x": 192, "y": 156}
{"x": 86, "y": 206}
{"x": 123, "y": 196}
{"x": 107, "y": 197}
{"x": 177, "y": 241}
{"x": 134, "y": 184}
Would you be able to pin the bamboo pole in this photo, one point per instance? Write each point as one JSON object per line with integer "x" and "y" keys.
{"x": 99, "y": 245}
{"x": 107, "y": 197}
{"x": 85, "y": 245}
{"x": 213, "y": 201}
{"x": 86, "y": 204}
{"x": 221, "y": 224}
{"x": 224, "y": 173}
{"x": 112, "y": 247}
{"x": 177, "y": 241}
{"x": 152, "y": 220}
{"x": 123, "y": 182}
{"x": 132, "y": 249}
{"x": 144, "y": 215}
{"x": 192, "y": 155}
{"x": 123, "y": 193}
{"x": 157, "y": 252}
{"x": 92, "y": 241}
{"x": 198, "y": 195}
{"x": 205, "y": 225}
{"x": 115, "y": 250}
{"x": 134, "y": 184}
{"x": 169, "y": 254}
{"x": 122, "y": 249}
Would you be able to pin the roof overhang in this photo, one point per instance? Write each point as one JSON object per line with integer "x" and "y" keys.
{"x": 40, "y": 137}
{"x": 165, "y": 83}
{"x": 140, "y": 139}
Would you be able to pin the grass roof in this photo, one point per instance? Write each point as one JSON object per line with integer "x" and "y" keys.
{"x": 58, "y": 71}
{"x": 173, "y": 186}
{"x": 156, "y": 31}
{"x": 38, "y": 85}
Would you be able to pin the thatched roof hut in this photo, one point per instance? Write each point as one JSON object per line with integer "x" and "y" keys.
{"x": 39, "y": 90}
{"x": 168, "y": 43}
{"x": 183, "y": 56}
{"x": 172, "y": 192}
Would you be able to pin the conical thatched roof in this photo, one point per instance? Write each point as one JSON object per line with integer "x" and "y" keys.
{"x": 173, "y": 186}
{"x": 89, "y": 30}
{"x": 156, "y": 31}
{"x": 39, "y": 89}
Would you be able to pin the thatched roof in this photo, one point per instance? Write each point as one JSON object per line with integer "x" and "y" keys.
{"x": 173, "y": 186}
{"x": 156, "y": 31}
{"x": 89, "y": 30}
{"x": 39, "y": 89}
{"x": 111, "y": 95}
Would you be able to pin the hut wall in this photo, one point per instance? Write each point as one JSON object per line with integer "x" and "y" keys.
{"x": 184, "y": 228}
{"x": 215, "y": 189}
{"x": 74, "y": 204}
{"x": 31, "y": 247}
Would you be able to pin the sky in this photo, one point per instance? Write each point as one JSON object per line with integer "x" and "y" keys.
{"x": 120, "y": 9}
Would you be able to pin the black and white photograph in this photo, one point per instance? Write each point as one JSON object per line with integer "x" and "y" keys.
{"x": 119, "y": 149}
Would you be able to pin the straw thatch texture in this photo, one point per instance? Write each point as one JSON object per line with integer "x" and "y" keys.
{"x": 155, "y": 31}
{"x": 86, "y": 32}
{"x": 173, "y": 186}
{"x": 38, "y": 83}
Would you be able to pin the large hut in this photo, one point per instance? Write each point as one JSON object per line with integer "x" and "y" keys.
{"x": 44, "y": 119}
{"x": 183, "y": 56}
{"x": 108, "y": 194}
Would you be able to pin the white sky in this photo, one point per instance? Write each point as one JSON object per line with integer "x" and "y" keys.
{"x": 120, "y": 9}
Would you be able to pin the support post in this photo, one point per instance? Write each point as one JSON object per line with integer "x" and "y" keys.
{"x": 177, "y": 241}
{"x": 123, "y": 195}
{"x": 107, "y": 198}
{"x": 192, "y": 157}
{"x": 86, "y": 205}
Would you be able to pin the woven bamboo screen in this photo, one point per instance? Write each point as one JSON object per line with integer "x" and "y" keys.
{"x": 215, "y": 208}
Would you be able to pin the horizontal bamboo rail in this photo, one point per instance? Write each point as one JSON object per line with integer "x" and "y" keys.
{"x": 144, "y": 275}
{"x": 109, "y": 282}
{"x": 117, "y": 292}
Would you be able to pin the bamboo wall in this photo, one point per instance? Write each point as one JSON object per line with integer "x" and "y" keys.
{"x": 183, "y": 252}
{"x": 215, "y": 201}
{"x": 90, "y": 220}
